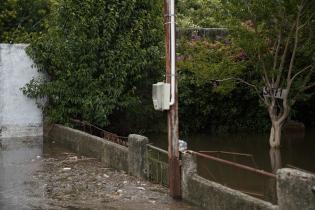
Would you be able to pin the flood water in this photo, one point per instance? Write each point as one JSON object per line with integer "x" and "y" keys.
{"x": 17, "y": 163}
{"x": 297, "y": 151}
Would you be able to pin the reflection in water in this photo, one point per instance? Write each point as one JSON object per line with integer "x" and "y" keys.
{"x": 276, "y": 163}
{"x": 297, "y": 150}
{"x": 17, "y": 162}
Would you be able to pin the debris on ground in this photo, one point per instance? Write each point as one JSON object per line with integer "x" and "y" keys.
{"x": 61, "y": 180}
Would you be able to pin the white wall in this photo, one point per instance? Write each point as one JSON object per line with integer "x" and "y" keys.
{"x": 19, "y": 115}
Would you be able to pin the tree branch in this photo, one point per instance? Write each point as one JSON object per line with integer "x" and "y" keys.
{"x": 265, "y": 75}
{"x": 304, "y": 87}
{"x": 296, "y": 41}
{"x": 284, "y": 55}
{"x": 309, "y": 86}
{"x": 303, "y": 70}
{"x": 275, "y": 60}
{"x": 286, "y": 111}
{"x": 307, "y": 21}
{"x": 246, "y": 83}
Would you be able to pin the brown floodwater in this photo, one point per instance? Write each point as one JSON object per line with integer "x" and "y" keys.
{"x": 296, "y": 150}
{"x": 250, "y": 149}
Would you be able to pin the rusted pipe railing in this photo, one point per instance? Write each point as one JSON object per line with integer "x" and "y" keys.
{"x": 226, "y": 162}
{"x": 122, "y": 140}
{"x": 232, "y": 153}
{"x": 158, "y": 149}
{"x": 229, "y": 153}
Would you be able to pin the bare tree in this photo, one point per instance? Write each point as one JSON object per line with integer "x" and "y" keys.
{"x": 279, "y": 44}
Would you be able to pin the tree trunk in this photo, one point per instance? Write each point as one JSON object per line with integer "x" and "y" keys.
{"x": 275, "y": 135}
{"x": 275, "y": 163}
{"x": 275, "y": 159}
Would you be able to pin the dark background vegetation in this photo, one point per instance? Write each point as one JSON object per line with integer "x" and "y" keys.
{"x": 101, "y": 58}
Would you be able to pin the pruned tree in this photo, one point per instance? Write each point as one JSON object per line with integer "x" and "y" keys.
{"x": 278, "y": 39}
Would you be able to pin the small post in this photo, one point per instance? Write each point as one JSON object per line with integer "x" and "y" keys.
{"x": 189, "y": 168}
{"x": 173, "y": 151}
{"x": 137, "y": 146}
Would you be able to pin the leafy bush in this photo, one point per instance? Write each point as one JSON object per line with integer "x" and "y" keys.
{"x": 209, "y": 105}
{"x": 101, "y": 57}
{"x": 21, "y": 20}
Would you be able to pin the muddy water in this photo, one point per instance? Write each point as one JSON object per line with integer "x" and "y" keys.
{"x": 297, "y": 151}
{"x": 39, "y": 176}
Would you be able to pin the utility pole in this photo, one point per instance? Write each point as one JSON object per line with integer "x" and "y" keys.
{"x": 174, "y": 173}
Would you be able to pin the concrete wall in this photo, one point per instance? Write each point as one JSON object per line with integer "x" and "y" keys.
{"x": 213, "y": 196}
{"x": 296, "y": 190}
{"x": 19, "y": 115}
{"x": 131, "y": 159}
{"x": 111, "y": 154}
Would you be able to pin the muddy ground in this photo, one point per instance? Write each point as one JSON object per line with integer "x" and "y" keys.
{"x": 40, "y": 176}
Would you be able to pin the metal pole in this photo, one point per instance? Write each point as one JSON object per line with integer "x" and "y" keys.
{"x": 173, "y": 152}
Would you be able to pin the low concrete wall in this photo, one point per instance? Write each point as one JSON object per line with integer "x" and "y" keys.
{"x": 132, "y": 159}
{"x": 296, "y": 190}
{"x": 214, "y": 196}
{"x": 111, "y": 154}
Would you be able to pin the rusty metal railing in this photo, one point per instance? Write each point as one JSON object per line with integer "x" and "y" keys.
{"x": 96, "y": 131}
{"x": 230, "y": 163}
{"x": 244, "y": 178}
{"x": 157, "y": 165}
{"x": 242, "y": 158}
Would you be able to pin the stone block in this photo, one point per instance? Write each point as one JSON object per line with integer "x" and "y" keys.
{"x": 294, "y": 190}
{"x": 137, "y": 151}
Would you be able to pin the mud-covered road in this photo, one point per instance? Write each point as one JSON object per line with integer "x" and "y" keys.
{"x": 40, "y": 176}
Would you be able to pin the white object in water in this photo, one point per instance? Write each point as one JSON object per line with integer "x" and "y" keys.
{"x": 182, "y": 145}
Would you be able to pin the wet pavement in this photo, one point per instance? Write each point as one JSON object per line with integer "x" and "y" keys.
{"x": 37, "y": 176}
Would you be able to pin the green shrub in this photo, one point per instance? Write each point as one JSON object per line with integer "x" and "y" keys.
{"x": 22, "y": 20}
{"x": 101, "y": 57}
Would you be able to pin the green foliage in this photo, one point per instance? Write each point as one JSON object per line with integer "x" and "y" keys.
{"x": 199, "y": 13}
{"x": 208, "y": 105}
{"x": 204, "y": 103}
{"x": 212, "y": 60}
{"x": 101, "y": 58}
{"x": 254, "y": 28}
{"x": 20, "y": 20}
{"x": 204, "y": 109}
